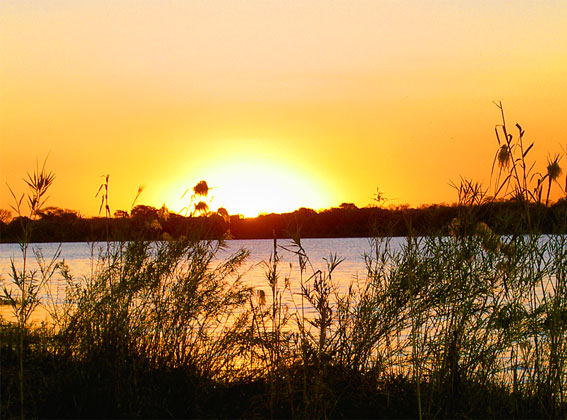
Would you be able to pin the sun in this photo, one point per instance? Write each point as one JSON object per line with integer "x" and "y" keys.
{"x": 254, "y": 185}
{"x": 265, "y": 187}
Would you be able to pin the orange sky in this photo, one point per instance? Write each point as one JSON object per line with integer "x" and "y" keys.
{"x": 277, "y": 104}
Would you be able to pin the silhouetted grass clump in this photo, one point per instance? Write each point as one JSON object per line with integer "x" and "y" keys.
{"x": 464, "y": 322}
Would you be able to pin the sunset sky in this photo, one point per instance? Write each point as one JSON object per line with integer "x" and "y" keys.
{"x": 276, "y": 104}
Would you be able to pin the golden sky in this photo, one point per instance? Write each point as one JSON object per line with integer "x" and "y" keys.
{"x": 277, "y": 104}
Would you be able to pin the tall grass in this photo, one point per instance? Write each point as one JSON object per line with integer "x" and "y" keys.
{"x": 27, "y": 283}
{"x": 462, "y": 322}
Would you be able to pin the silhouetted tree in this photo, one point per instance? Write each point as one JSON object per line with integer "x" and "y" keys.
{"x": 5, "y": 216}
{"x": 120, "y": 214}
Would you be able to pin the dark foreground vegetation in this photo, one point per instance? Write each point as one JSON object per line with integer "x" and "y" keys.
{"x": 463, "y": 326}
{"x": 462, "y": 323}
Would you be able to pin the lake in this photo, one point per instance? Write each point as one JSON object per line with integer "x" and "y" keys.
{"x": 81, "y": 258}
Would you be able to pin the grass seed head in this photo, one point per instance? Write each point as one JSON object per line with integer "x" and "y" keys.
{"x": 201, "y": 188}
{"x": 504, "y": 156}
{"x": 553, "y": 169}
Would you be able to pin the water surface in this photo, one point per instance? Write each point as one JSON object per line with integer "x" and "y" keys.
{"x": 81, "y": 257}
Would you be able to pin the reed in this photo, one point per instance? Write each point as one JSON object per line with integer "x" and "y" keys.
{"x": 26, "y": 283}
{"x": 461, "y": 322}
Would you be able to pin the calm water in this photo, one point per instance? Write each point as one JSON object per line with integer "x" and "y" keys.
{"x": 79, "y": 255}
{"x": 81, "y": 259}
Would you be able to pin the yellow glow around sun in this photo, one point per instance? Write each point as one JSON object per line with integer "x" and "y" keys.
{"x": 256, "y": 185}
{"x": 250, "y": 189}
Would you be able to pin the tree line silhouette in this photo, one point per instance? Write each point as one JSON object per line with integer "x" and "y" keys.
{"x": 54, "y": 224}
